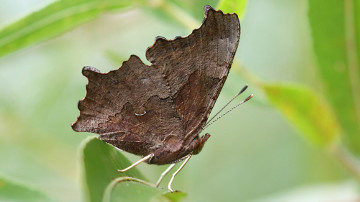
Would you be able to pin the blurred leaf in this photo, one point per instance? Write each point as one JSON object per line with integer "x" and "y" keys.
{"x": 116, "y": 58}
{"x": 233, "y": 6}
{"x": 100, "y": 164}
{"x": 306, "y": 111}
{"x": 11, "y": 191}
{"x": 135, "y": 191}
{"x": 336, "y": 40}
{"x": 175, "y": 196}
{"x": 53, "y": 20}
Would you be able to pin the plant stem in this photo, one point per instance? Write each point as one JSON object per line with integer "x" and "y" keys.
{"x": 351, "y": 53}
{"x": 177, "y": 13}
{"x": 347, "y": 160}
{"x": 241, "y": 70}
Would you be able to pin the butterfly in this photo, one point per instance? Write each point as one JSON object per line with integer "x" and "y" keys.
{"x": 158, "y": 111}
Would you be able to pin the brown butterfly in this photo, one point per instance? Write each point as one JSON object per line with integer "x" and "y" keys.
{"x": 158, "y": 111}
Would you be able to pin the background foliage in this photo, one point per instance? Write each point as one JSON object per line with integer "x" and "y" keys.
{"x": 297, "y": 139}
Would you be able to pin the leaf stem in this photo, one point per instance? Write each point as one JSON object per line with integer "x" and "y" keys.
{"x": 178, "y": 14}
{"x": 241, "y": 70}
{"x": 352, "y": 53}
{"x": 345, "y": 158}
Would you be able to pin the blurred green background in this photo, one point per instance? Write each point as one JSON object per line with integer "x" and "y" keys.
{"x": 296, "y": 139}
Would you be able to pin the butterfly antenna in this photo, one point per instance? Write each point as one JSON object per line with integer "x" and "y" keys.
{"x": 219, "y": 117}
{"x": 232, "y": 99}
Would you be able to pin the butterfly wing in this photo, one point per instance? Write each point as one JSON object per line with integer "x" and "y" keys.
{"x": 160, "y": 108}
{"x": 130, "y": 108}
{"x": 196, "y": 67}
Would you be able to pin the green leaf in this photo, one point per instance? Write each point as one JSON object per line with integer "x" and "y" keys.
{"x": 100, "y": 164}
{"x": 135, "y": 191}
{"x": 175, "y": 197}
{"x": 102, "y": 181}
{"x": 115, "y": 57}
{"x": 53, "y": 20}
{"x": 11, "y": 191}
{"x": 335, "y": 27}
{"x": 232, "y": 6}
{"x": 306, "y": 111}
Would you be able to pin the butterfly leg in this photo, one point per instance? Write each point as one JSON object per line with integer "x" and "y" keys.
{"x": 178, "y": 170}
{"x": 136, "y": 163}
{"x": 164, "y": 173}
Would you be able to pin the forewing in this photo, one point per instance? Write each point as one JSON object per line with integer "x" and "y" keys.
{"x": 196, "y": 66}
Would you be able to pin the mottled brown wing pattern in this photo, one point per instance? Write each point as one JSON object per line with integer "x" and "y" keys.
{"x": 160, "y": 109}
{"x": 196, "y": 79}
{"x": 113, "y": 100}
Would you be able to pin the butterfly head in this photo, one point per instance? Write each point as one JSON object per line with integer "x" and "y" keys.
{"x": 199, "y": 143}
